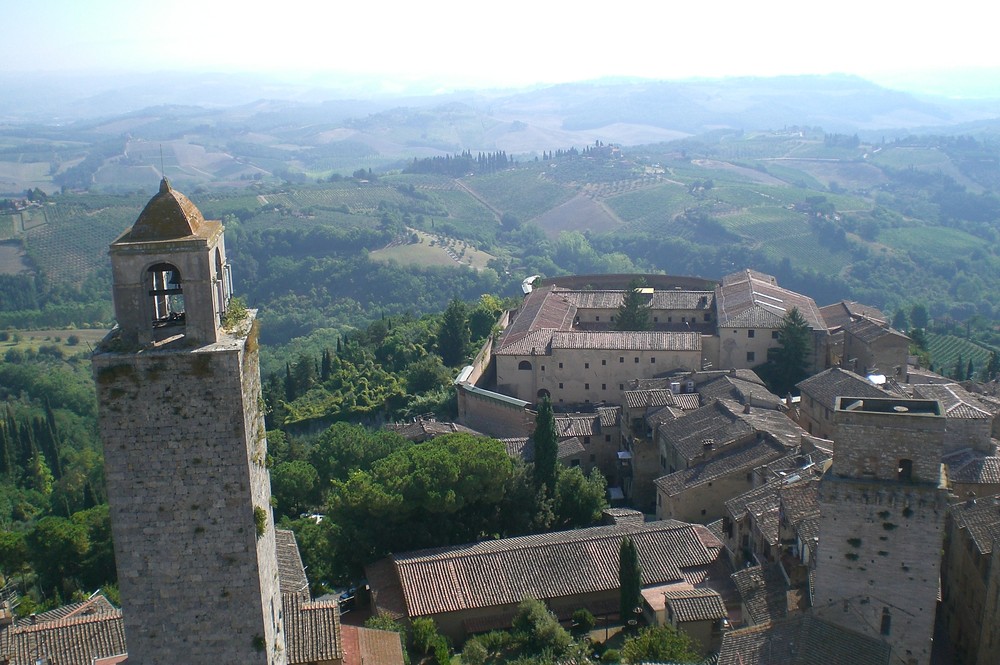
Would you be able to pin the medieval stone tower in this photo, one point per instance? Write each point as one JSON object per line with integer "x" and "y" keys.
{"x": 178, "y": 386}
{"x": 882, "y": 509}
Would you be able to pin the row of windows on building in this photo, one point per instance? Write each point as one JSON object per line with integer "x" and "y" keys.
{"x": 525, "y": 364}
{"x": 775, "y": 334}
{"x": 670, "y": 319}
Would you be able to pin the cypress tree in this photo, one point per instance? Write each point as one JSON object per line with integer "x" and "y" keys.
{"x": 546, "y": 447}
{"x": 633, "y": 314}
{"x": 629, "y": 579}
{"x": 453, "y": 335}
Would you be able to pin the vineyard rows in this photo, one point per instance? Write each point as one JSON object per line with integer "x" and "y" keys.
{"x": 75, "y": 242}
{"x": 945, "y": 350}
{"x": 662, "y": 201}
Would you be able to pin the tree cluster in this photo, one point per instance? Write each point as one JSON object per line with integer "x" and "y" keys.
{"x": 453, "y": 489}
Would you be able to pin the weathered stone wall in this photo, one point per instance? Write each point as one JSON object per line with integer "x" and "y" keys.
{"x": 968, "y": 433}
{"x": 492, "y": 413}
{"x": 970, "y": 599}
{"x": 879, "y": 551}
{"x": 871, "y": 440}
{"x": 645, "y": 469}
{"x": 704, "y": 503}
{"x": 184, "y": 452}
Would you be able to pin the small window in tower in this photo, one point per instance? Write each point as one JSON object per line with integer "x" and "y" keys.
{"x": 751, "y": 333}
{"x": 905, "y": 470}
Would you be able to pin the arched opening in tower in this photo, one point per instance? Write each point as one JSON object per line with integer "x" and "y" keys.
{"x": 166, "y": 295}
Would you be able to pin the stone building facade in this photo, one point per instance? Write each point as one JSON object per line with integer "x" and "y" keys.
{"x": 882, "y": 508}
{"x": 178, "y": 388}
{"x": 970, "y": 580}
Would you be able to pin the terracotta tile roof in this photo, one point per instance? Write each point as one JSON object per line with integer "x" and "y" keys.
{"x": 712, "y": 423}
{"x": 723, "y": 423}
{"x": 423, "y": 429}
{"x": 800, "y": 501}
{"x": 801, "y": 640}
{"x": 291, "y": 572}
{"x": 764, "y": 514}
{"x": 610, "y": 416}
{"x": 764, "y": 592}
{"x": 75, "y": 639}
{"x": 519, "y": 447}
{"x": 312, "y": 630}
{"x": 981, "y": 518}
{"x": 643, "y": 399}
{"x": 716, "y": 528}
{"x": 688, "y": 401}
{"x": 544, "y": 308}
{"x": 656, "y": 418}
{"x": 569, "y": 448}
{"x": 96, "y": 604}
{"x": 808, "y": 533}
{"x": 658, "y": 300}
{"x": 695, "y": 604}
{"x": 622, "y": 340}
{"x": 386, "y": 589}
{"x": 748, "y": 299}
{"x": 578, "y": 424}
{"x": 869, "y": 331}
{"x": 845, "y": 311}
{"x": 811, "y": 464}
{"x": 522, "y": 447}
{"x": 367, "y": 646}
{"x": 974, "y": 468}
{"x": 830, "y": 384}
{"x": 619, "y": 515}
{"x": 567, "y": 563}
{"x": 737, "y": 506}
{"x": 956, "y": 400}
{"x": 742, "y": 459}
{"x": 536, "y": 342}
{"x": 736, "y": 388}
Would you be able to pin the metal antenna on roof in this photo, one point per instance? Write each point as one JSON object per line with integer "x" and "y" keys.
{"x": 162, "y": 171}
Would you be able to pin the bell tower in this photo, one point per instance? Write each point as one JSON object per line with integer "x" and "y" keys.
{"x": 170, "y": 273}
{"x": 178, "y": 386}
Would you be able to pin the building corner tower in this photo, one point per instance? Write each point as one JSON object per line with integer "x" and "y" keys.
{"x": 881, "y": 524}
{"x": 179, "y": 396}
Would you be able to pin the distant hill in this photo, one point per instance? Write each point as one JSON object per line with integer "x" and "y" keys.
{"x": 218, "y": 130}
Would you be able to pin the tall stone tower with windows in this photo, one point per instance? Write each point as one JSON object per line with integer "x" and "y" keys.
{"x": 178, "y": 386}
{"x": 882, "y": 508}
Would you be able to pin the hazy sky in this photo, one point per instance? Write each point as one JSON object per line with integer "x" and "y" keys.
{"x": 500, "y": 43}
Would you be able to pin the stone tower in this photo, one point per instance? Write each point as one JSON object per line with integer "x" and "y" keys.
{"x": 178, "y": 385}
{"x": 882, "y": 509}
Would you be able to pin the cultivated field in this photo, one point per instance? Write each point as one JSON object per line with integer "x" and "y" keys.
{"x": 433, "y": 250}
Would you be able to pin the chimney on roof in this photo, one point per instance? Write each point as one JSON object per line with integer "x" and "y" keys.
{"x": 708, "y": 444}
{"x": 970, "y": 502}
{"x": 746, "y": 407}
